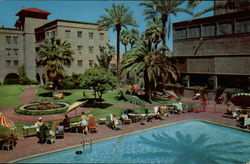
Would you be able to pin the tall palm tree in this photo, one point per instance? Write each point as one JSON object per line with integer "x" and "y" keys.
{"x": 163, "y": 10}
{"x": 53, "y": 55}
{"x": 152, "y": 63}
{"x": 153, "y": 32}
{"x": 133, "y": 36}
{"x": 117, "y": 17}
{"x": 125, "y": 38}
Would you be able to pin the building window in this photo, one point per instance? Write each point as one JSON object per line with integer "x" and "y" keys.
{"x": 15, "y": 62}
{"x": 180, "y": 33}
{"x": 101, "y": 36}
{"x": 242, "y": 26}
{"x": 15, "y": 51}
{"x": 91, "y": 35}
{"x": 91, "y": 63}
{"x": 79, "y": 34}
{"x": 102, "y": 48}
{"x": 8, "y": 39}
{"x": 15, "y": 39}
{"x": 8, "y": 63}
{"x": 91, "y": 49}
{"x": 79, "y": 62}
{"x": 225, "y": 28}
{"x": 194, "y": 32}
{"x": 8, "y": 51}
{"x": 208, "y": 30}
{"x": 67, "y": 33}
{"x": 51, "y": 34}
{"x": 79, "y": 48}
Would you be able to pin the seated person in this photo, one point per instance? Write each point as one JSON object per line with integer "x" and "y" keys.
{"x": 125, "y": 119}
{"x": 60, "y": 128}
{"x": 197, "y": 96}
{"x": 219, "y": 99}
{"x": 84, "y": 123}
{"x": 66, "y": 121}
{"x": 38, "y": 124}
{"x": 229, "y": 110}
{"x": 159, "y": 114}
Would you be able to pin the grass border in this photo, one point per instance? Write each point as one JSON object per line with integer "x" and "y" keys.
{"x": 126, "y": 134}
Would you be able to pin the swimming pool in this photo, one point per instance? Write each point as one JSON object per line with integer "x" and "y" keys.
{"x": 190, "y": 142}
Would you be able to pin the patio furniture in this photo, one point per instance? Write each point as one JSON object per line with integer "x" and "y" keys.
{"x": 92, "y": 125}
{"x": 59, "y": 130}
{"x": 75, "y": 126}
{"x": 10, "y": 144}
{"x": 102, "y": 121}
{"x": 29, "y": 130}
{"x": 112, "y": 122}
{"x": 246, "y": 122}
{"x": 50, "y": 137}
{"x": 125, "y": 119}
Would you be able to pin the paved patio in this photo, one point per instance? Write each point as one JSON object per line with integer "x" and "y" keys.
{"x": 28, "y": 146}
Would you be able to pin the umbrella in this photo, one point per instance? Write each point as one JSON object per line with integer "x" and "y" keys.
{"x": 171, "y": 93}
{"x": 73, "y": 106}
{"x": 134, "y": 100}
{"x": 241, "y": 99}
{"x": 4, "y": 121}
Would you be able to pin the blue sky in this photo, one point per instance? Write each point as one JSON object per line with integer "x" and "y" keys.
{"x": 83, "y": 10}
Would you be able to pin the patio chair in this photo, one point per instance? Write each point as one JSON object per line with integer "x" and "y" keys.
{"x": 59, "y": 130}
{"x": 125, "y": 119}
{"x": 112, "y": 122}
{"x": 92, "y": 125}
{"x": 10, "y": 144}
{"x": 50, "y": 137}
{"x": 246, "y": 122}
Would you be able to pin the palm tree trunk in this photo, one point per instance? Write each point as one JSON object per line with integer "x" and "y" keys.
{"x": 147, "y": 85}
{"x": 125, "y": 45}
{"x": 118, "y": 29}
{"x": 163, "y": 34}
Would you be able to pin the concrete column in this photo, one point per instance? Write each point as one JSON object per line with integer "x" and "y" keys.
{"x": 216, "y": 81}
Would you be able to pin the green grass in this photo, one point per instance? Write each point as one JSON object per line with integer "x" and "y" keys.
{"x": 9, "y": 95}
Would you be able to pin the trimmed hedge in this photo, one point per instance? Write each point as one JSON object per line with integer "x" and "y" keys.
{"x": 23, "y": 111}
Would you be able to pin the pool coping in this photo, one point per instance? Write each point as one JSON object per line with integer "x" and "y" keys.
{"x": 126, "y": 134}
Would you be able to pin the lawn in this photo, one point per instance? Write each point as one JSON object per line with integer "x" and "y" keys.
{"x": 9, "y": 95}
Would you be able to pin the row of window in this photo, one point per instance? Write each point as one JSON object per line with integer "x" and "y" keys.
{"x": 14, "y": 51}
{"x": 10, "y": 39}
{"x": 50, "y": 34}
{"x": 206, "y": 30}
{"x": 13, "y": 63}
{"x": 91, "y": 63}
{"x": 91, "y": 48}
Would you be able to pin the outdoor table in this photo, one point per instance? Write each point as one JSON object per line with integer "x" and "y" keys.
{"x": 29, "y": 130}
{"x": 75, "y": 126}
{"x": 134, "y": 117}
{"x": 102, "y": 121}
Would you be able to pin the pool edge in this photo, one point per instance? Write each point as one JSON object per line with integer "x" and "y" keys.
{"x": 126, "y": 134}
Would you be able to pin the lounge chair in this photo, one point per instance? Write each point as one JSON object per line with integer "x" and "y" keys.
{"x": 92, "y": 125}
{"x": 112, "y": 122}
{"x": 246, "y": 123}
{"x": 59, "y": 130}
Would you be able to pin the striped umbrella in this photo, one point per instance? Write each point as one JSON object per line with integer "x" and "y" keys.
{"x": 241, "y": 99}
{"x": 134, "y": 100}
{"x": 73, "y": 107}
{"x": 4, "y": 121}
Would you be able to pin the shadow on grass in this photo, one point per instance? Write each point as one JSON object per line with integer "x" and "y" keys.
{"x": 50, "y": 94}
{"x": 91, "y": 103}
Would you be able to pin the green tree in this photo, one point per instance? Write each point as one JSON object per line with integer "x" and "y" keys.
{"x": 105, "y": 58}
{"x": 54, "y": 55}
{"x": 163, "y": 10}
{"x": 117, "y": 17}
{"x": 99, "y": 80}
{"x": 133, "y": 36}
{"x": 125, "y": 38}
{"x": 152, "y": 63}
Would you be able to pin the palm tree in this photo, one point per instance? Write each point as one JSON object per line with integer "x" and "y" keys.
{"x": 152, "y": 63}
{"x": 53, "y": 55}
{"x": 117, "y": 17}
{"x": 133, "y": 36}
{"x": 105, "y": 58}
{"x": 163, "y": 10}
{"x": 125, "y": 38}
{"x": 153, "y": 32}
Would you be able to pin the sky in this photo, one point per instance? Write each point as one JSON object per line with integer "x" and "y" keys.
{"x": 86, "y": 11}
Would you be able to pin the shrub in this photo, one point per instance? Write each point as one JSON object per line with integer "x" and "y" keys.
{"x": 234, "y": 90}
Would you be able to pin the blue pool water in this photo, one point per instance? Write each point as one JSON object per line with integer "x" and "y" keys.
{"x": 190, "y": 142}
